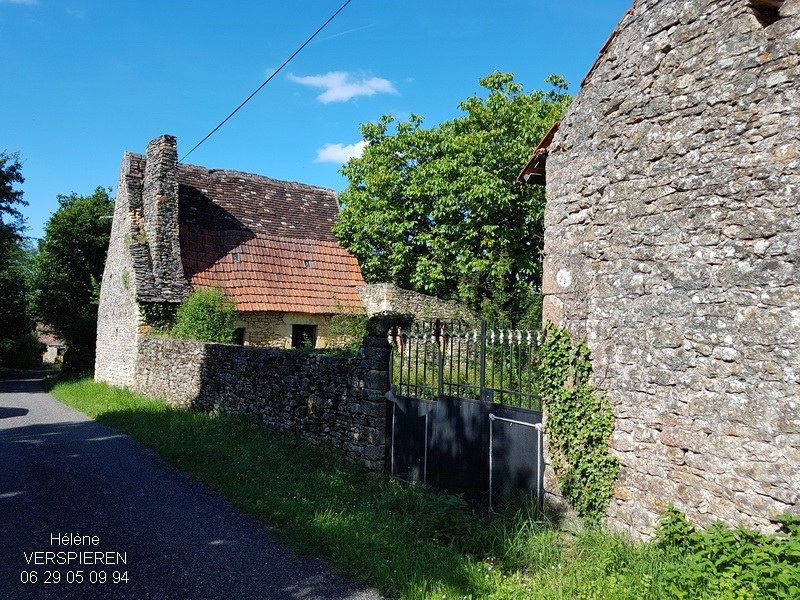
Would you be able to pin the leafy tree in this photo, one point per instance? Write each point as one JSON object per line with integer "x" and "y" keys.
{"x": 18, "y": 346}
{"x": 10, "y": 198}
{"x": 206, "y": 316}
{"x": 68, "y": 270}
{"x": 439, "y": 210}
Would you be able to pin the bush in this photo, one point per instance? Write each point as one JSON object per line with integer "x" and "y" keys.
{"x": 206, "y": 316}
{"x": 731, "y": 563}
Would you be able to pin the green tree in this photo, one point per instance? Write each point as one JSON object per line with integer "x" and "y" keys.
{"x": 439, "y": 210}
{"x": 206, "y": 316}
{"x": 68, "y": 269}
{"x": 10, "y": 198}
{"x": 18, "y": 346}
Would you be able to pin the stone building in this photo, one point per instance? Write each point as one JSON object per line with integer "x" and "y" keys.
{"x": 54, "y": 346}
{"x": 672, "y": 247}
{"x": 267, "y": 244}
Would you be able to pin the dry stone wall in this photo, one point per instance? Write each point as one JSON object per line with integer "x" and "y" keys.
{"x": 335, "y": 401}
{"x": 672, "y": 247}
{"x": 386, "y": 297}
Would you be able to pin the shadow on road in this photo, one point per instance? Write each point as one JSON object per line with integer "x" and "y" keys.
{"x": 11, "y": 411}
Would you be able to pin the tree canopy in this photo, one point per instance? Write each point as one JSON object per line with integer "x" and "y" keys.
{"x": 439, "y": 210}
{"x": 10, "y": 197}
{"x": 68, "y": 270}
{"x": 18, "y": 344}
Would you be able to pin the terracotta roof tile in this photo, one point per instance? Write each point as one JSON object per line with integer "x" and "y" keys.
{"x": 273, "y": 273}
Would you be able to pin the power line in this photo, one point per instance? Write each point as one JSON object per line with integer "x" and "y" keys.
{"x": 278, "y": 70}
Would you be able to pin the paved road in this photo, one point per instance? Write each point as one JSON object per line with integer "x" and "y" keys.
{"x": 61, "y": 472}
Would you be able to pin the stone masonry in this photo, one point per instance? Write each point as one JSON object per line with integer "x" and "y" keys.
{"x": 118, "y": 313}
{"x": 672, "y": 247}
{"x": 337, "y": 401}
{"x": 386, "y": 297}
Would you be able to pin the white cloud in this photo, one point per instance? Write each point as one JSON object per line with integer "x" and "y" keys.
{"x": 28, "y": 2}
{"x": 341, "y": 86}
{"x": 340, "y": 153}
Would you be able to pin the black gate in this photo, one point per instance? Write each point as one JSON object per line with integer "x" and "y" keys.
{"x": 465, "y": 416}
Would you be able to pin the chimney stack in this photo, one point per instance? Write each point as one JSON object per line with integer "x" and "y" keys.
{"x": 160, "y": 212}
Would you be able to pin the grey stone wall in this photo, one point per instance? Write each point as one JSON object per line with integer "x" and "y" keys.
{"x": 386, "y": 297}
{"x": 118, "y": 312}
{"x": 335, "y": 401}
{"x": 672, "y": 247}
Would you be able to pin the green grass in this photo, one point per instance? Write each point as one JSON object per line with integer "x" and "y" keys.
{"x": 406, "y": 542}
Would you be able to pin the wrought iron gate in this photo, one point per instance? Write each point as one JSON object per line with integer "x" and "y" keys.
{"x": 465, "y": 416}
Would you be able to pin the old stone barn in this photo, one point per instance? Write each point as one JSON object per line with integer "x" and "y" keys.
{"x": 267, "y": 244}
{"x": 673, "y": 247}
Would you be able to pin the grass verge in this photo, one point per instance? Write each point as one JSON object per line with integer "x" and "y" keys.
{"x": 406, "y": 542}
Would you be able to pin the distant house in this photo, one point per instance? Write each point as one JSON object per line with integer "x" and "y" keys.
{"x": 266, "y": 243}
{"x": 55, "y": 348}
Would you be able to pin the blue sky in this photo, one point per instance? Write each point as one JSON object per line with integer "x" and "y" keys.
{"x": 84, "y": 80}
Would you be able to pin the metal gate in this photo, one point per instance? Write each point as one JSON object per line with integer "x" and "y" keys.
{"x": 465, "y": 416}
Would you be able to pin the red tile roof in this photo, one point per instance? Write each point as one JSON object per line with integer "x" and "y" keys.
{"x": 267, "y": 273}
{"x": 267, "y": 243}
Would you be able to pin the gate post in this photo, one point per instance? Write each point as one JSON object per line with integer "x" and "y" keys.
{"x": 376, "y": 353}
{"x": 440, "y": 346}
{"x": 483, "y": 395}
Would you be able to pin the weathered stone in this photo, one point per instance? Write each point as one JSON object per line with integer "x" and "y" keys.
{"x": 318, "y": 398}
{"x": 672, "y": 247}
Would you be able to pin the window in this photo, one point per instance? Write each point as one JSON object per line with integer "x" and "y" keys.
{"x": 238, "y": 336}
{"x": 304, "y": 336}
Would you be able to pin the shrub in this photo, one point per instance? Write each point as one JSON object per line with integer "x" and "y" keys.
{"x": 206, "y": 316}
{"x": 731, "y": 563}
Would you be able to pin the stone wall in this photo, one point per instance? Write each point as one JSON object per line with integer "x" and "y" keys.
{"x": 335, "y": 401}
{"x": 672, "y": 247}
{"x": 386, "y": 297}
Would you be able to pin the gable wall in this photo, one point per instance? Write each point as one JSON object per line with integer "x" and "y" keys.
{"x": 672, "y": 247}
{"x": 118, "y": 313}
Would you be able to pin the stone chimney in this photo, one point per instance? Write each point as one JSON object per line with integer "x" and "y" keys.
{"x": 160, "y": 214}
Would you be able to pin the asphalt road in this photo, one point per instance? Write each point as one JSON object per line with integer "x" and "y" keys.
{"x": 62, "y": 473}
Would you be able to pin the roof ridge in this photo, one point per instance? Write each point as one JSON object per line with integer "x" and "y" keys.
{"x": 245, "y": 174}
{"x": 269, "y": 236}
{"x": 256, "y": 176}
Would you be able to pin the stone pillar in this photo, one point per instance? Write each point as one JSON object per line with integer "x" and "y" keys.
{"x": 160, "y": 212}
{"x": 376, "y": 353}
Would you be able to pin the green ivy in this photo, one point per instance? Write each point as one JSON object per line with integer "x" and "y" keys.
{"x": 349, "y": 329}
{"x": 579, "y": 425}
{"x": 730, "y": 563}
{"x": 160, "y": 315}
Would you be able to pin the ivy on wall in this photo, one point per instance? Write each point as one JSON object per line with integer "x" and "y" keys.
{"x": 579, "y": 425}
{"x": 160, "y": 315}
